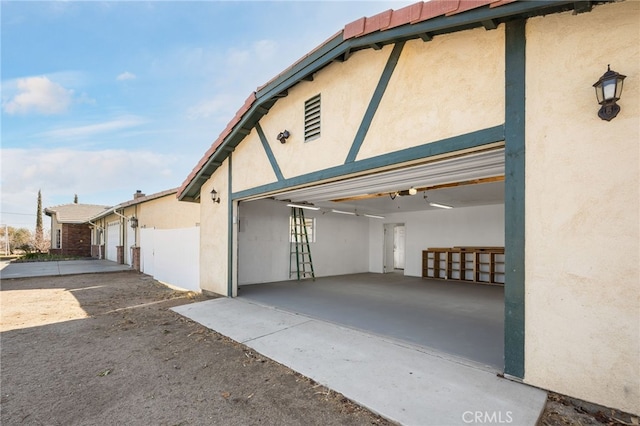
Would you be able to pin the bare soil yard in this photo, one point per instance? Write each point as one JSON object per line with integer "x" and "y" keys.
{"x": 104, "y": 349}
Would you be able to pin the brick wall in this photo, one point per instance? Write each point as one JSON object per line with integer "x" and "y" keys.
{"x": 135, "y": 255}
{"x": 76, "y": 240}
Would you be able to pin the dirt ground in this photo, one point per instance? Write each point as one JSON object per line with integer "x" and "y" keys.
{"x": 104, "y": 349}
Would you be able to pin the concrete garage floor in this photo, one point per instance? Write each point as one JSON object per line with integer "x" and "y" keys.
{"x": 461, "y": 319}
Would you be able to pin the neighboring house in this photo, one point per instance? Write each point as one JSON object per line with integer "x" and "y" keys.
{"x": 485, "y": 106}
{"x": 155, "y": 234}
{"x": 70, "y": 232}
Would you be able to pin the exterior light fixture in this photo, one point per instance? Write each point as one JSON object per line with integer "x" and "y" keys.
{"x": 303, "y": 206}
{"x": 214, "y": 196}
{"x": 133, "y": 221}
{"x": 282, "y": 136}
{"x": 608, "y": 91}
{"x": 413, "y": 191}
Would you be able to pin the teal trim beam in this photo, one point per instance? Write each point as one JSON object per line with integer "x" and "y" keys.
{"x": 230, "y": 250}
{"x": 267, "y": 149}
{"x": 514, "y": 199}
{"x": 456, "y": 143}
{"x": 375, "y": 101}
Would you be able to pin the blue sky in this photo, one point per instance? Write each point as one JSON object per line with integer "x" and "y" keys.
{"x": 101, "y": 99}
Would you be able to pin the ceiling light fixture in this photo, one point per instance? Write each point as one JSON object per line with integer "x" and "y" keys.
{"x": 375, "y": 216}
{"x": 303, "y": 206}
{"x": 343, "y": 212}
{"x": 442, "y": 206}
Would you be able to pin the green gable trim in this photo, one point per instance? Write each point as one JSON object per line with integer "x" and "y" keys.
{"x": 269, "y": 152}
{"x": 456, "y": 143}
{"x": 375, "y": 102}
{"x": 230, "y": 250}
{"x": 514, "y": 199}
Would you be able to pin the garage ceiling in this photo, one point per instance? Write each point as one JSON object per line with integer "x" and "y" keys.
{"x": 486, "y": 164}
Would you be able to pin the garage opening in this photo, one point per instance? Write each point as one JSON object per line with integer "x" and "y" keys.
{"x": 371, "y": 238}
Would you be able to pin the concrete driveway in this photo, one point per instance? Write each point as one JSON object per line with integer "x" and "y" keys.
{"x": 57, "y": 268}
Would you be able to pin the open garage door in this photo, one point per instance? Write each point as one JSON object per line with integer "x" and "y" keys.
{"x": 454, "y": 202}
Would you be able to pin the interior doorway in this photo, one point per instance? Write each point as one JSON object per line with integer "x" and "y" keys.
{"x": 394, "y": 247}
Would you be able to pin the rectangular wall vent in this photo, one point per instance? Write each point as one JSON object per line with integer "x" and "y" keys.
{"x": 312, "y": 118}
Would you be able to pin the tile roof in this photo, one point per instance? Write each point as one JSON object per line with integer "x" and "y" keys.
{"x": 410, "y": 15}
{"x": 133, "y": 202}
{"x": 74, "y": 213}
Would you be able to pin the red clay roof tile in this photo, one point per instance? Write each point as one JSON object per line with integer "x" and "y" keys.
{"x": 500, "y": 3}
{"x": 407, "y": 14}
{"x": 354, "y": 29}
{"x": 377, "y": 22}
{"x": 468, "y": 5}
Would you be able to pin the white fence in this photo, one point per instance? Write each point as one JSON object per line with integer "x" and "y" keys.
{"x": 171, "y": 256}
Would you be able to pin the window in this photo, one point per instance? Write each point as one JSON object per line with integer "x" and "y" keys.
{"x": 310, "y": 224}
{"x": 58, "y": 238}
{"x": 312, "y": 119}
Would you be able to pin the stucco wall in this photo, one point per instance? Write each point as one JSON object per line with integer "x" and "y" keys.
{"x": 252, "y": 154}
{"x": 167, "y": 213}
{"x": 582, "y": 327}
{"x": 214, "y": 220}
{"x": 345, "y": 89}
{"x": 449, "y": 86}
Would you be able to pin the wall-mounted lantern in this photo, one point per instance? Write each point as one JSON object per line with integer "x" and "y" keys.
{"x": 608, "y": 91}
{"x": 214, "y": 196}
{"x": 133, "y": 221}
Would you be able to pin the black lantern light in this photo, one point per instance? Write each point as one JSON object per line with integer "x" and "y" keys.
{"x": 133, "y": 221}
{"x": 608, "y": 91}
{"x": 214, "y": 196}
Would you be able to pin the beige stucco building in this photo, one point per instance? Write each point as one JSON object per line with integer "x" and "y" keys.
{"x": 155, "y": 234}
{"x": 486, "y": 107}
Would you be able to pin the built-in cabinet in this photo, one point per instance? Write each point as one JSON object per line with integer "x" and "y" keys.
{"x": 475, "y": 264}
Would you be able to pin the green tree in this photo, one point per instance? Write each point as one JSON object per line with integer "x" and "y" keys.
{"x": 39, "y": 238}
{"x": 19, "y": 239}
{"x": 75, "y": 198}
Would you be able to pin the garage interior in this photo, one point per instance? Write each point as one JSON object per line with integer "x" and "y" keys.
{"x": 367, "y": 237}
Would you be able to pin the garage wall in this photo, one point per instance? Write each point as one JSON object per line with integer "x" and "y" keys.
{"x": 582, "y": 208}
{"x": 341, "y": 245}
{"x": 214, "y": 228}
{"x": 468, "y": 226}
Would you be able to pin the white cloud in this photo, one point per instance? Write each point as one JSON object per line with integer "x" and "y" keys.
{"x": 126, "y": 76}
{"x": 265, "y": 50}
{"x": 60, "y": 173}
{"x": 93, "y": 129}
{"x": 224, "y": 105}
{"x": 38, "y": 95}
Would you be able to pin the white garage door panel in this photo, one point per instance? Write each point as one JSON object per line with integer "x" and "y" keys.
{"x": 113, "y": 240}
